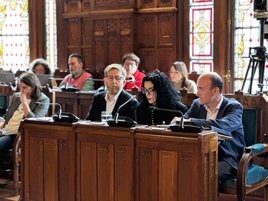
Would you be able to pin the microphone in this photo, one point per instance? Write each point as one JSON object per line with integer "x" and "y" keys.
{"x": 169, "y": 110}
{"x": 70, "y": 88}
{"x": 62, "y": 116}
{"x": 119, "y": 108}
{"x": 122, "y": 121}
{"x": 57, "y": 104}
{"x": 183, "y": 126}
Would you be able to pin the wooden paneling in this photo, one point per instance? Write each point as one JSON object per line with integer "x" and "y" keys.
{"x": 110, "y": 178}
{"x": 74, "y": 30}
{"x": 103, "y": 31}
{"x": 77, "y": 103}
{"x": 48, "y": 167}
{"x": 175, "y": 167}
{"x": 37, "y": 29}
{"x": 84, "y": 26}
{"x": 147, "y": 39}
{"x": 148, "y": 59}
{"x": 165, "y": 58}
{"x": 84, "y": 161}
{"x": 166, "y": 32}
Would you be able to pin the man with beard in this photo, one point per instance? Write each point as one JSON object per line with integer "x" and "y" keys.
{"x": 114, "y": 96}
{"x": 77, "y": 78}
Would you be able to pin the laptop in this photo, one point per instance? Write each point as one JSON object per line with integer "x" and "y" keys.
{"x": 7, "y": 78}
{"x": 44, "y": 79}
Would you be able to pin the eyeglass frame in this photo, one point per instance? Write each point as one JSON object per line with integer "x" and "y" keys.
{"x": 150, "y": 91}
{"x": 116, "y": 78}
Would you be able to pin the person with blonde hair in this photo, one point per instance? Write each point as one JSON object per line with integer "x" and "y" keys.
{"x": 179, "y": 76}
{"x": 114, "y": 96}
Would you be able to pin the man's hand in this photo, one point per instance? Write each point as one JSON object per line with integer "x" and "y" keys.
{"x": 177, "y": 120}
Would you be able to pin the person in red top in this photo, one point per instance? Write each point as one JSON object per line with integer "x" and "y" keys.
{"x": 134, "y": 77}
{"x": 77, "y": 78}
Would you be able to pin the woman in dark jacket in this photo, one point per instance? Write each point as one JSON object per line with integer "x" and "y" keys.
{"x": 160, "y": 101}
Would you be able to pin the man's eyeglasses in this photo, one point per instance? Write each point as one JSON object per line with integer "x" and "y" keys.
{"x": 148, "y": 91}
{"x": 111, "y": 78}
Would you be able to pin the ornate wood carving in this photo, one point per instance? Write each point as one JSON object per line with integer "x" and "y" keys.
{"x": 74, "y": 30}
{"x": 146, "y": 3}
{"x": 165, "y": 3}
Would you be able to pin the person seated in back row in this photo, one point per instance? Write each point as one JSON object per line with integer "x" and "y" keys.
{"x": 29, "y": 102}
{"x": 179, "y": 76}
{"x": 114, "y": 96}
{"x": 158, "y": 95}
{"x": 41, "y": 67}
{"x": 131, "y": 62}
{"x": 77, "y": 78}
{"x": 212, "y": 109}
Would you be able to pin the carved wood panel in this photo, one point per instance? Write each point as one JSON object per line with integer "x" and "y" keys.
{"x": 166, "y": 29}
{"x": 147, "y": 31}
{"x": 103, "y": 31}
{"x": 74, "y": 30}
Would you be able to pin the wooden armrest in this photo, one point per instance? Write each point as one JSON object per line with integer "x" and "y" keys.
{"x": 250, "y": 154}
{"x": 16, "y": 148}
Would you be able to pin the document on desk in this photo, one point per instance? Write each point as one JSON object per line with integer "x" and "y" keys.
{"x": 45, "y": 119}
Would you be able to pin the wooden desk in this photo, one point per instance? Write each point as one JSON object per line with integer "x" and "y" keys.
{"x": 48, "y": 161}
{"x": 175, "y": 167}
{"x": 88, "y": 162}
{"x": 104, "y": 163}
{"x": 77, "y": 103}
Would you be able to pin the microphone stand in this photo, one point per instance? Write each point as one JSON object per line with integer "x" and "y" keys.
{"x": 168, "y": 110}
{"x": 117, "y": 112}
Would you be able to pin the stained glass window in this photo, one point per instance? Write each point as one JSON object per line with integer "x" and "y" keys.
{"x": 247, "y": 35}
{"x": 14, "y": 35}
{"x": 51, "y": 33}
{"x": 201, "y": 35}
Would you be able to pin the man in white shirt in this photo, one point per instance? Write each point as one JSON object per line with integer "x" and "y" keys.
{"x": 114, "y": 96}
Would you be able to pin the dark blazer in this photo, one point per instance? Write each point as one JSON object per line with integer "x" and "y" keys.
{"x": 99, "y": 105}
{"x": 148, "y": 116}
{"x": 229, "y": 119}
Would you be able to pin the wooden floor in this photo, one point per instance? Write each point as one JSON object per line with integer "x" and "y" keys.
{"x": 233, "y": 198}
{"x": 6, "y": 191}
{"x": 7, "y": 194}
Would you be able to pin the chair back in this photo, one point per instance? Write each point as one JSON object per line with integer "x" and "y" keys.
{"x": 250, "y": 126}
{"x": 255, "y": 116}
{"x": 255, "y": 113}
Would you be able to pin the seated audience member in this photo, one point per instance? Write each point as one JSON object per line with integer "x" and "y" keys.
{"x": 179, "y": 76}
{"x": 77, "y": 78}
{"x": 213, "y": 109}
{"x": 41, "y": 67}
{"x": 29, "y": 102}
{"x": 114, "y": 95}
{"x": 134, "y": 76}
{"x": 159, "y": 92}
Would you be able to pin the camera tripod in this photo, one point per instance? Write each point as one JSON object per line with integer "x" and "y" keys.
{"x": 255, "y": 61}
